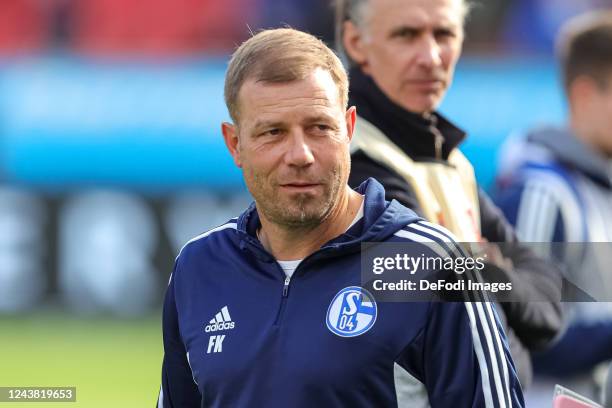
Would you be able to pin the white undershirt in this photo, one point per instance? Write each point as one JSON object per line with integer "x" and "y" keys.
{"x": 290, "y": 266}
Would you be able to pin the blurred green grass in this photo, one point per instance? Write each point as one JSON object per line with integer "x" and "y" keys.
{"x": 111, "y": 362}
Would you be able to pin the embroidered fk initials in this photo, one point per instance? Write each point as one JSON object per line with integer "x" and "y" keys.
{"x": 215, "y": 344}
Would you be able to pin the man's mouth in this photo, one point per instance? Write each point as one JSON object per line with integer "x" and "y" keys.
{"x": 427, "y": 83}
{"x": 300, "y": 186}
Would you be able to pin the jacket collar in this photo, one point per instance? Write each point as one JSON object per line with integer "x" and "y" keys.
{"x": 571, "y": 151}
{"x": 413, "y": 133}
{"x": 381, "y": 219}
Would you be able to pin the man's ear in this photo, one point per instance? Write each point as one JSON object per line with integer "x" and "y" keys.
{"x": 353, "y": 42}
{"x": 230, "y": 135}
{"x": 351, "y": 119}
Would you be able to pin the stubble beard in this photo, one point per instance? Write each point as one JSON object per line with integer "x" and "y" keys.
{"x": 300, "y": 211}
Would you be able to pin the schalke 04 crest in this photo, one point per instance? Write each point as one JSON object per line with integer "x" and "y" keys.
{"x": 352, "y": 312}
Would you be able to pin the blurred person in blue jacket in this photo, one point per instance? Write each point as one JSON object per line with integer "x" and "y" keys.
{"x": 555, "y": 185}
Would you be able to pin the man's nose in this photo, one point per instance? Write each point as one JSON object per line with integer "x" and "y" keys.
{"x": 428, "y": 54}
{"x": 299, "y": 152}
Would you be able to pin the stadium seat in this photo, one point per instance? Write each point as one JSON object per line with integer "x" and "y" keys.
{"x": 24, "y": 26}
{"x": 160, "y": 26}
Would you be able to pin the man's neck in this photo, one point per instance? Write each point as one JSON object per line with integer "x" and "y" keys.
{"x": 583, "y": 132}
{"x": 290, "y": 243}
{"x": 410, "y": 131}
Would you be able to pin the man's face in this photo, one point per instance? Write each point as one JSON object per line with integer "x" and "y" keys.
{"x": 292, "y": 143}
{"x": 409, "y": 48}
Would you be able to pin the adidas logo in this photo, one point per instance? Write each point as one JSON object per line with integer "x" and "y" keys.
{"x": 222, "y": 321}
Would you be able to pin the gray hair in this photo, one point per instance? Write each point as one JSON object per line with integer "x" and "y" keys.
{"x": 347, "y": 10}
{"x": 354, "y": 11}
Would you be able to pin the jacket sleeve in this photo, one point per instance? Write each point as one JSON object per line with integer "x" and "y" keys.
{"x": 537, "y": 318}
{"x": 569, "y": 357}
{"x": 468, "y": 362}
{"x": 178, "y": 388}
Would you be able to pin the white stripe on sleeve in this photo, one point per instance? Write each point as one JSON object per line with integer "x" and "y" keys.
{"x": 434, "y": 246}
{"x": 500, "y": 347}
{"x": 482, "y": 362}
{"x": 493, "y": 354}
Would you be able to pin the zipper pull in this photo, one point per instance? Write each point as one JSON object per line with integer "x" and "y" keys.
{"x": 286, "y": 287}
{"x": 438, "y": 142}
{"x": 438, "y": 137}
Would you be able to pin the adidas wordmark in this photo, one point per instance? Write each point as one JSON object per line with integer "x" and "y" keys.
{"x": 221, "y": 321}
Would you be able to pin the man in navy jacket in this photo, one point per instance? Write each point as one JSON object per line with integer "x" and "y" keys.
{"x": 269, "y": 309}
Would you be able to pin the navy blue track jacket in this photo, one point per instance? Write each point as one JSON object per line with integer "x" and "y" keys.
{"x": 237, "y": 333}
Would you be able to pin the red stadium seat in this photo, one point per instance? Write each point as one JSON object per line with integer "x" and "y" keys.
{"x": 160, "y": 26}
{"x": 24, "y": 26}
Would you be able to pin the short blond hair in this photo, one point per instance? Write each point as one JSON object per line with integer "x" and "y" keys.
{"x": 277, "y": 56}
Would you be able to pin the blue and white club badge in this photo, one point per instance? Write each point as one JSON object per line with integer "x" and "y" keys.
{"x": 352, "y": 312}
